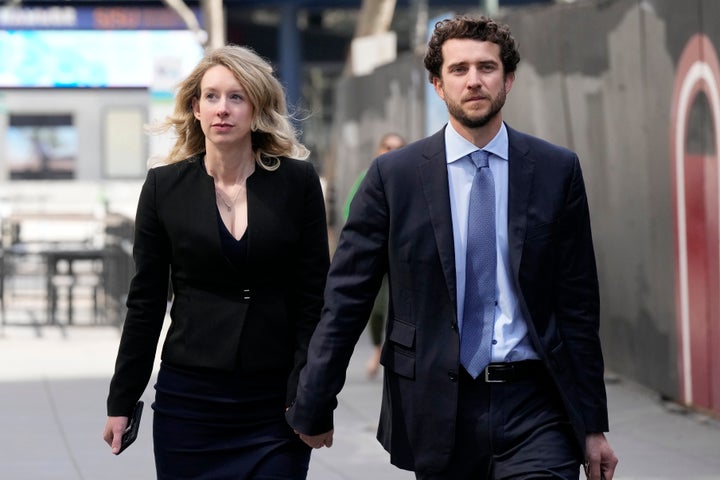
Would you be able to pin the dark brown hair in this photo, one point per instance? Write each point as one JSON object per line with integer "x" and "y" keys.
{"x": 475, "y": 28}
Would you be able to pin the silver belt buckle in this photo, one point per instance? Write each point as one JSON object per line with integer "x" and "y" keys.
{"x": 487, "y": 375}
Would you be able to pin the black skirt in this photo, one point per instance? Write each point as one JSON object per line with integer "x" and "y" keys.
{"x": 224, "y": 425}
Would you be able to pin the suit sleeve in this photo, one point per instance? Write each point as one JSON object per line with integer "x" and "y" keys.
{"x": 313, "y": 263}
{"x": 577, "y": 305}
{"x": 146, "y": 303}
{"x": 355, "y": 275}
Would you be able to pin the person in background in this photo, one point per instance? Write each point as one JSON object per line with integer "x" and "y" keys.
{"x": 388, "y": 142}
{"x": 236, "y": 218}
{"x": 493, "y": 367}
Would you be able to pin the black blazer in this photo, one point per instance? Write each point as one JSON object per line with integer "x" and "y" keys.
{"x": 400, "y": 222}
{"x": 259, "y": 319}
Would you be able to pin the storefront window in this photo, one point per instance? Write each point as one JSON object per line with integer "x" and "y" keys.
{"x": 41, "y": 147}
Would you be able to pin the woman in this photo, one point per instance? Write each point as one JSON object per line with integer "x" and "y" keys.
{"x": 236, "y": 219}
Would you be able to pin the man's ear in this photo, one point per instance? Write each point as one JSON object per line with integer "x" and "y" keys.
{"x": 509, "y": 80}
{"x": 437, "y": 83}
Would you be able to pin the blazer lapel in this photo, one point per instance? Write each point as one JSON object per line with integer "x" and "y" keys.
{"x": 434, "y": 178}
{"x": 521, "y": 168}
{"x": 202, "y": 209}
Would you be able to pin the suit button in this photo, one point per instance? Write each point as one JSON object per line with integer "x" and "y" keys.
{"x": 452, "y": 376}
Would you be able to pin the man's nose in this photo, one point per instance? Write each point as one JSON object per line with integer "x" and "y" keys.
{"x": 474, "y": 78}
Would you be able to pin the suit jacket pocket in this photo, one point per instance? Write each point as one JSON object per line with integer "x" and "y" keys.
{"x": 402, "y": 333}
{"x": 398, "y": 354}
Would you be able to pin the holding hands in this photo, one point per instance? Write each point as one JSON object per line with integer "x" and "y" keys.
{"x": 317, "y": 441}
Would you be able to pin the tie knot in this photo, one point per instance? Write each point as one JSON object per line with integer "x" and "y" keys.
{"x": 480, "y": 158}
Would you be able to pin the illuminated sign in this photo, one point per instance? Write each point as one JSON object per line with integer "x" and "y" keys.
{"x": 155, "y": 59}
{"x": 85, "y": 18}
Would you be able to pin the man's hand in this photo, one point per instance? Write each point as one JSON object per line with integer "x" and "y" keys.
{"x": 601, "y": 460}
{"x": 318, "y": 441}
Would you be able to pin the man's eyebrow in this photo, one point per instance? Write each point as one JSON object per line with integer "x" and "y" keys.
{"x": 457, "y": 64}
{"x": 490, "y": 61}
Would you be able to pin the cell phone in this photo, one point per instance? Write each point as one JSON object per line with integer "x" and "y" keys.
{"x": 131, "y": 432}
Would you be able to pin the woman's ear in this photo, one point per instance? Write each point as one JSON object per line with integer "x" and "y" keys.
{"x": 196, "y": 108}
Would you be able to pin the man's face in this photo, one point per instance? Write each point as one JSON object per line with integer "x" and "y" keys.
{"x": 473, "y": 83}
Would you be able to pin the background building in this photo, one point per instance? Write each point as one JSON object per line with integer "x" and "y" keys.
{"x": 79, "y": 78}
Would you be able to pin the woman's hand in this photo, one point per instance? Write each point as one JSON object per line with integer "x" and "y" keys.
{"x": 114, "y": 429}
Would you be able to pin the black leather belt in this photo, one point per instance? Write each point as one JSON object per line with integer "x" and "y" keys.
{"x": 511, "y": 371}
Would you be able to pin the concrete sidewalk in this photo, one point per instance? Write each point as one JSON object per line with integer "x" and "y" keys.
{"x": 53, "y": 383}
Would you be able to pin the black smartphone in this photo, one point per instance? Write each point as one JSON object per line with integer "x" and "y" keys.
{"x": 131, "y": 432}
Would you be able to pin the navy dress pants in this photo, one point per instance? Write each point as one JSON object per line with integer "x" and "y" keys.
{"x": 513, "y": 430}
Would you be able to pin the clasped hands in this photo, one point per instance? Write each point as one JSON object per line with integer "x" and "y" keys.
{"x": 317, "y": 441}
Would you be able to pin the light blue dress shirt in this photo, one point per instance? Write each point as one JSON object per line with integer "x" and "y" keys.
{"x": 510, "y": 339}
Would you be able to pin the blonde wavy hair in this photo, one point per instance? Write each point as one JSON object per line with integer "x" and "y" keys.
{"x": 273, "y": 135}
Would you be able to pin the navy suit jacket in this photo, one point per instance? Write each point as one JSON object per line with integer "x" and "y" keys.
{"x": 400, "y": 223}
{"x": 258, "y": 319}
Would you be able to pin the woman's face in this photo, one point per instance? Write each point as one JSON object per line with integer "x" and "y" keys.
{"x": 223, "y": 109}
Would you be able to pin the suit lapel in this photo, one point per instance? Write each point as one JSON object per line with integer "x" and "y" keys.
{"x": 434, "y": 178}
{"x": 520, "y": 171}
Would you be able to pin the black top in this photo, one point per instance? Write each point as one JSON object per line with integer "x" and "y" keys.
{"x": 234, "y": 250}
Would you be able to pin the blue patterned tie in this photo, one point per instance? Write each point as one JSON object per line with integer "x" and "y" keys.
{"x": 480, "y": 269}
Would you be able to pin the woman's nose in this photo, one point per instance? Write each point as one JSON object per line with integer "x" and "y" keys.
{"x": 222, "y": 109}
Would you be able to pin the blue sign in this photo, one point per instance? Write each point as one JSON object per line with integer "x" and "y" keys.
{"x": 154, "y": 59}
{"x": 86, "y": 18}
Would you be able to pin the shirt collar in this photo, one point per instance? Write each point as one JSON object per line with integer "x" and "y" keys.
{"x": 457, "y": 147}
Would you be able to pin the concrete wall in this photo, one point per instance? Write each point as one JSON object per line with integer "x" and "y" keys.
{"x": 389, "y": 100}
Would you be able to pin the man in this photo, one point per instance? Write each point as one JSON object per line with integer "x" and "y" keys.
{"x": 528, "y": 274}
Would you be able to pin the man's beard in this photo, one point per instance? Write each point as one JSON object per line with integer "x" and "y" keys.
{"x": 455, "y": 110}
